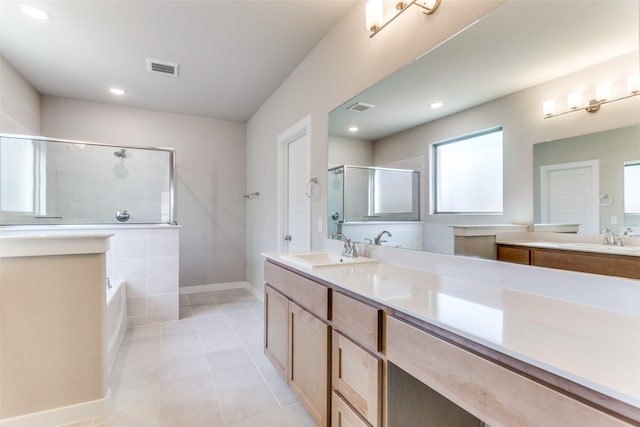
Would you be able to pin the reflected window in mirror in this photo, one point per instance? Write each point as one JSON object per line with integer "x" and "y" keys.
{"x": 467, "y": 173}
{"x": 632, "y": 193}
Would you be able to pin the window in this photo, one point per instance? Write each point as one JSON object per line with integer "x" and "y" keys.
{"x": 631, "y": 186}
{"x": 467, "y": 174}
{"x": 18, "y": 180}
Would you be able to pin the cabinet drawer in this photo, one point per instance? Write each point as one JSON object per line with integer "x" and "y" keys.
{"x": 342, "y": 415}
{"x": 359, "y": 321}
{"x": 518, "y": 255}
{"x": 310, "y": 295}
{"x": 487, "y": 390}
{"x": 356, "y": 375}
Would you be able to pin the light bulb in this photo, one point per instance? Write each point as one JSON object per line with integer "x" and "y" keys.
{"x": 117, "y": 91}
{"x": 633, "y": 84}
{"x": 603, "y": 92}
{"x": 36, "y": 13}
{"x": 549, "y": 108}
{"x": 574, "y": 100}
{"x": 373, "y": 13}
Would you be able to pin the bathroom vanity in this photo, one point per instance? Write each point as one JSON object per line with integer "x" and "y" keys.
{"x": 379, "y": 344}
{"x": 571, "y": 253}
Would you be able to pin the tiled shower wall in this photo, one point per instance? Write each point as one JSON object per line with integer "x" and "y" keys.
{"x": 147, "y": 260}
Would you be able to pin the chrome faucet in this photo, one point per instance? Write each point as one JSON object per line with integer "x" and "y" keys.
{"x": 610, "y": 239}
{"x": 377, "y": 240}
{"x": 349, "y": 249}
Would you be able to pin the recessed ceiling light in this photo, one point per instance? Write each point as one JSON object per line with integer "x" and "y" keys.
{"x": 117, "y": 91}
{"x": 353, "y": 129}
{"x": 435, "y": 105}
{"x": 36, "y": 13}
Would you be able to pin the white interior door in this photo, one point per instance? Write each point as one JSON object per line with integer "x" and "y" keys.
{"x": 295, "y": 207}
{"x": 569, "y": 195}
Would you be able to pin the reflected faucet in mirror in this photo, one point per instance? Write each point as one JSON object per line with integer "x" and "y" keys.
{"x": 378, "y": 241}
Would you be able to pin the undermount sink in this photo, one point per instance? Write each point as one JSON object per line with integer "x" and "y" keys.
{"x": 595, "y": 247}
{"x": 324, "y": 259}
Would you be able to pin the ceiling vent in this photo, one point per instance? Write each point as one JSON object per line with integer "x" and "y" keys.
{"x": 162, "y": 67}
{"x": 359, "y": 107}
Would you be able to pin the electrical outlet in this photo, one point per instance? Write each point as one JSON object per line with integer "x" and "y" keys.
{"x": 614, "y": 220}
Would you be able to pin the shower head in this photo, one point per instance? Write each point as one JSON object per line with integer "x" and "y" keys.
{"x": 120, "y": 154}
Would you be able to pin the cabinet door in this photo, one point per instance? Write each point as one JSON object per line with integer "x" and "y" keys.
{"x": 276, "y": 329}
{"x": 342, "y": 415}
{"x": 309, "y": 362}
{"x": 356, "y": 374}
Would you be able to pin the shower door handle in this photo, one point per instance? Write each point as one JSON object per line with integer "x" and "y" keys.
{"x": 287, "y": 237}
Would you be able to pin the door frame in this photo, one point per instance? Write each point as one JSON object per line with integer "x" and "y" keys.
{"x": 298, "y": 130}
{"x": 544, "y": 186}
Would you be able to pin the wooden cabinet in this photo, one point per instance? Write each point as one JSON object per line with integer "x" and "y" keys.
{"x": 342, "y": 415}
{"x": 357, "y": 376}
{"x": 515, "y": 254}
{"x": 309, "y": 362}
{"x": 356, "y": 362}
{"x": 276, "y": 332}
{"x": 587, "y": 262}
{"x": 297, "y": 337}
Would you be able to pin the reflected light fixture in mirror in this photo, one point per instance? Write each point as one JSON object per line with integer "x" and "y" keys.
{"x": 374, "y": 12}
{"x": 603, "y": 96}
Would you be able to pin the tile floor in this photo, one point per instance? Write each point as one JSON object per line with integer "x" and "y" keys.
{"x": 206, "y": 369}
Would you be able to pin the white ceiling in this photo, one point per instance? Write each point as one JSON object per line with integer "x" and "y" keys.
{"x": 232, "y": 54}
{"x": 519, "y": 45}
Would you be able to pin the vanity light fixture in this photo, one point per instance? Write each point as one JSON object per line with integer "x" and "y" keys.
{"x": 603, "y": 96}
{"x": 374, "y": 12}
{"x": 35, "y": 13}
{"x": 117, "y": 91}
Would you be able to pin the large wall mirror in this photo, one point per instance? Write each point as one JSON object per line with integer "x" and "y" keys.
{"x": 496, "y": 74}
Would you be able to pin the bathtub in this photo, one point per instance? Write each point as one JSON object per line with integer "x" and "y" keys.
{"x": 116, "y": 320}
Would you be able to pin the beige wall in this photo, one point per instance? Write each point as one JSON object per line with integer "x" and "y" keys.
{"x": 52, "y": 337}
{"x": 343, "y": 64}
{"x": 19, "y": 103}
{"x": 210, "y": 172}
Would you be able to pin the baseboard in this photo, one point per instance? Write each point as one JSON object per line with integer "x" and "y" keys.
{"x": 186, "y": 290}
{"x": 58, "y": 416}
{"x": 255, "y": 291}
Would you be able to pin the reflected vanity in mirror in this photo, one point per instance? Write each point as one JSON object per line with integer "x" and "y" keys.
{"x": 496, "y": 74}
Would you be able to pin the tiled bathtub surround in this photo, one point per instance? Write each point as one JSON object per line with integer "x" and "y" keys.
{"x": 144, "y": 256}
{"x": 147, "y": 259}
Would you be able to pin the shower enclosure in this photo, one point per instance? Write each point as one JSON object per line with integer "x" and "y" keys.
{"x": 50, "y": 181}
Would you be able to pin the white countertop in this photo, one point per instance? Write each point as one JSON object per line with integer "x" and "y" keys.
{"x": 45, "y": 245}
{"x": 571, "y": 242}
{"x": 594, "y": 347}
